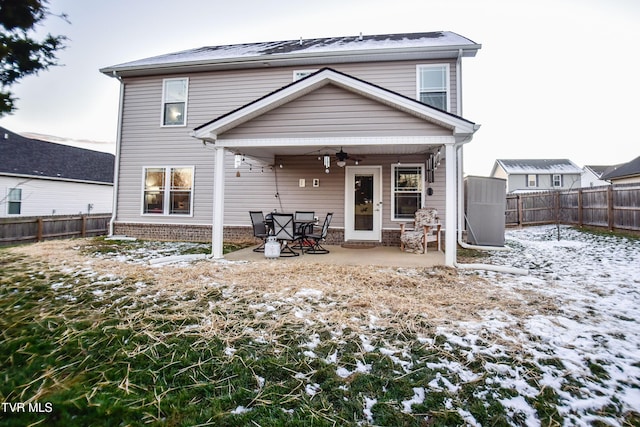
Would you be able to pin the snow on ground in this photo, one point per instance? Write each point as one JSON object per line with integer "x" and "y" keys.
{"x": 595, "y": 334}
{"x": 584, "y": 344}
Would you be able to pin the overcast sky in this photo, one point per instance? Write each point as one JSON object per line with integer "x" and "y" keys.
{"x": 554, "y": 78}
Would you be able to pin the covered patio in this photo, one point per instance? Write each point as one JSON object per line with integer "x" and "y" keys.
{"x": 384, "y": 256}
{"x": 303, "y": 122}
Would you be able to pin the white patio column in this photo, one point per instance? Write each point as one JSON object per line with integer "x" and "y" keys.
{"x": 217, "y": 228}
{"x": 451, "y": 205}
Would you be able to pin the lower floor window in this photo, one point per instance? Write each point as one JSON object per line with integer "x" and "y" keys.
{"x": 14, "y": 200}
{"x": 407, "y": 190}
{"x": 168, "y": 190}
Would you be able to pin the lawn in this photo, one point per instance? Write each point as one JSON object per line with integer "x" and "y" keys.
{"x": 95, "y": 333}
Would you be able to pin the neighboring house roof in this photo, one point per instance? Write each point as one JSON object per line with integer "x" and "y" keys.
{"x": 32, "y": 157}
{"x": 536, "y": 166}
{"x": 623, "y": 171}
{"x": 599, "y": 171}
{"x": 437, "y": 44}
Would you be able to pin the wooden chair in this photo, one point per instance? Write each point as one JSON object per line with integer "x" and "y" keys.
{"x": 426, "y": 228}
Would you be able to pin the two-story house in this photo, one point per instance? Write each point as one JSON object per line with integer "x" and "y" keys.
{"x": 528, "y": 175}
{"x": 367, "y": 127}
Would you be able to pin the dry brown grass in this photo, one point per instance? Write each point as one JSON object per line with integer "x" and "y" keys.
{"x": 248, "y": 299}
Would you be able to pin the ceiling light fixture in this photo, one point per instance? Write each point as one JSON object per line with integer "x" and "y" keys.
{"x": 342, "y": 157}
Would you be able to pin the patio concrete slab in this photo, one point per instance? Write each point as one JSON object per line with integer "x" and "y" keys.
{"x": 379, "y": 255}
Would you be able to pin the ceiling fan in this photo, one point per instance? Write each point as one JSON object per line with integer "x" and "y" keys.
{"x": 342, "y": 158}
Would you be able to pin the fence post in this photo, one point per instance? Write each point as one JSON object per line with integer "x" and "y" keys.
{"x": 40, "y": 230}
{"x": 610, "y": 207}
{"x": 83, "y": 232}
{"x": 520, "y": 210}
{"x": 580, "y": 207}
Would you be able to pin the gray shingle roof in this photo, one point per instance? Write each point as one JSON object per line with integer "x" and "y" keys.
{"x": 628, "y": 169}
{"x": 32, "y": 157}
{"x": 600, "y": 170}
{"x": 318, "y": 47}
{"x": 522, "y": 166}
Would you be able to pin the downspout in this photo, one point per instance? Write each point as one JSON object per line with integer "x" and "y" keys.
{"x": 116, "y": 166}
{"x": 460, "y": 226}
{"x": 459, "y": 83}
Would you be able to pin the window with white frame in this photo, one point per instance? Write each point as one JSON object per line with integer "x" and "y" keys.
{"x": 532, "y": 180}
{"x": 433, "y": 85}
{"x": 301, "y": 74}
{"x": 174, "y": 101}
{"x": 407, "y": 190}
{"x": 168, "y": 191}
{"x": 556, "y": 180}
{"x": 14, "y": 201}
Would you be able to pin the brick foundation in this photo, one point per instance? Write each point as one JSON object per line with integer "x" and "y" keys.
{"x": 202, "y": 233}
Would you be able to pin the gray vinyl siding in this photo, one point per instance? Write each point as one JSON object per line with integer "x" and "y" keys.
{"x": 332, "y": 112}
{"x": 145, "y": 143}
{"x": 216, "y": 93}
{"x": 545, "y": 182}
{"x": 255, "y": 189}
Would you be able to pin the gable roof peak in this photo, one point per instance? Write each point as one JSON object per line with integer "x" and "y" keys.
{"x": 320, "y": 78}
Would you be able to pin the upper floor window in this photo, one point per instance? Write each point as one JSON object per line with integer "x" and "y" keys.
{"x": 407, "y": 181}
{"x": 532, "y": 180}
{"x": 14, "y": 199}
{"x": 168, "y": 190}
{"x": 174, "y": 101}
{"x": 433, "y": 85}
{"x": 557, "y": 180}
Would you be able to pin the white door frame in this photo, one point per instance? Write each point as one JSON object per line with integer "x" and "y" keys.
{"x": 350, "y": 233}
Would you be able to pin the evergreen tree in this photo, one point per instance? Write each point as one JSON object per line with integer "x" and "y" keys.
{"x": 21, "y": 54}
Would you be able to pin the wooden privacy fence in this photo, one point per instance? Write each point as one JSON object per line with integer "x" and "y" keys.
{"x": 35, "y": 229}
{"x": 613, "y": 207}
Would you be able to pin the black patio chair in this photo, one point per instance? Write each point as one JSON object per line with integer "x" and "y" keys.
{"x": 314, "y": 239}
{"x": 285, "y": 231}
{"x": 259, "y": 228}
{"x": 304, "y": 221}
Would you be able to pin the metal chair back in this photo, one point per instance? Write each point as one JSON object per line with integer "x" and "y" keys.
{"x": 325, "y": 225}
{"x": 283, "y": 226}
{"x": 257, "y": 221}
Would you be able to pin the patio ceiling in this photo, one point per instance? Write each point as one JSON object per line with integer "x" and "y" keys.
{"x": 366, "y": 147}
